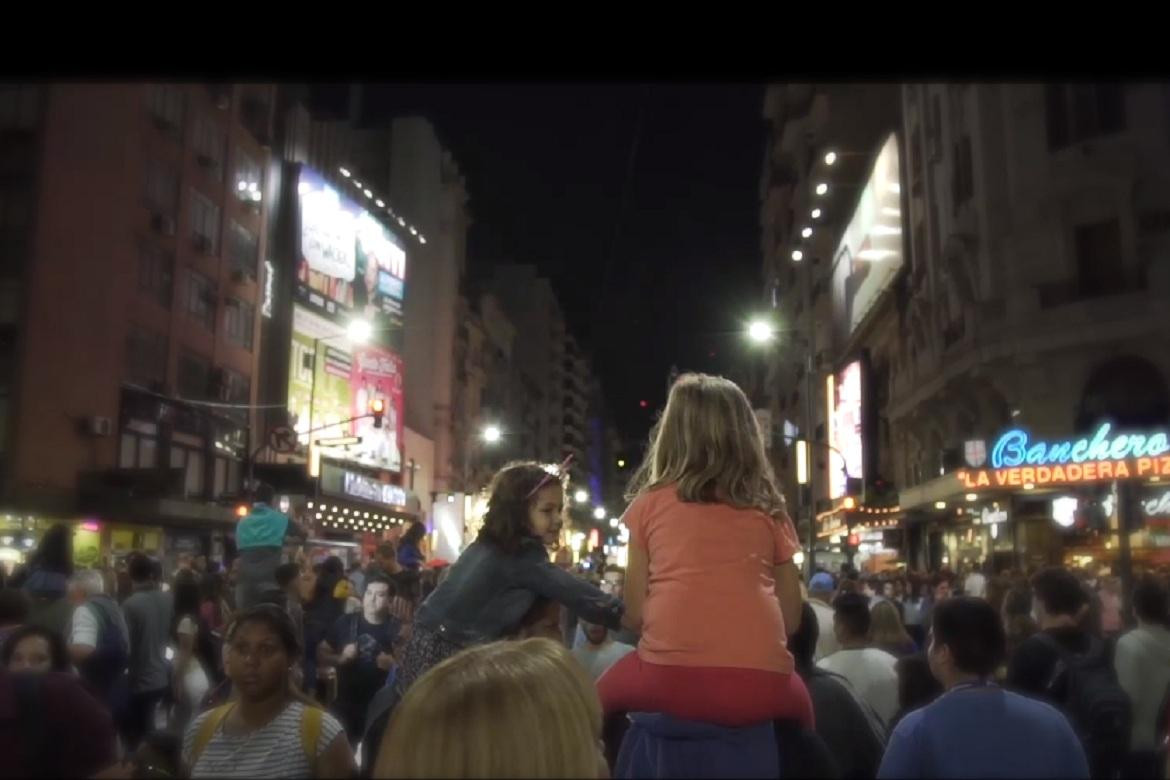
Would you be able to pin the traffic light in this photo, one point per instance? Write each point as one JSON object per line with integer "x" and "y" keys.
{"x": 377, "y": 408}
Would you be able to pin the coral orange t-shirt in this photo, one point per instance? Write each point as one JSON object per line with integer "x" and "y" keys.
{"x": 711, "y": 599}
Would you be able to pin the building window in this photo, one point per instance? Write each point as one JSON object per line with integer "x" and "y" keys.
{"x": 204, "y": 223}
{"x": 239, "y": 319}
{"x": 249, "y": 178}
{"x": 20, "y": 106}
{"x": 15, "y": 217}
{"x": 243, "y": 250}
{"x": 146, "y": 357}
{"x": 187, "y": 454}
{"x": 1080, "y": 112}
{"x": 210, "y": 143}
{"x": 962, "y": 173}
{"x": 194, "y": 376}
{"x": 166, "y": 106}
{"x": 201, "y": 299}
{"x": 1100, "y": 268}
{"x": 161, "y": 188}
{"x": 237, "y": 389}
{"x": 139, "y": 446}
{"x": 156, "y": 273}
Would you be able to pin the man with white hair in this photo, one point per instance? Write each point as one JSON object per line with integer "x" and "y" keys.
{"x": 99, "y": 641}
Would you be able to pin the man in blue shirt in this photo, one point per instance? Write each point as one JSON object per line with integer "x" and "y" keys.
{"x": 977, "y": 729}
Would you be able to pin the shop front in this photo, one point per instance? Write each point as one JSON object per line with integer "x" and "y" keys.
{"x": 872, "y": 538}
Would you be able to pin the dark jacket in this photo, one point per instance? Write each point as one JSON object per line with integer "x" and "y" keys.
{"x": 489, "y": 591}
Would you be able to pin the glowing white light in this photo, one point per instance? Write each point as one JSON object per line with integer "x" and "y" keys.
{"x": 760, "y": 331}
{"x": 816, "y": 213}
{"x": 806, "y": 233}
{"x": 822, "y": 188}
{"x": 368, "y": 194}
{"x": 359, "y": 331}
{"x": 344, "y": 172}
{"x": 890, "y": 211}
{"x": 1064, "y": 510}
{"x": 895, "y": 187}
{"x": 875, "y": 254}
{"x": 797, "y": 255}
{"x": 798, "y": 557}
{"x": 422, "y": 239}
{"x": 599, "y": 513}
{"x": 613, "y": 522}
{"x": 971, "y": 496}
{"x": 380, "y": 203}
{"x": 242, "y": 186}
{"x": 581, "y": 496}
{"x": 303, "y": 187}
{"x": 492, "y": 434}
{"x": 830, "y": 158}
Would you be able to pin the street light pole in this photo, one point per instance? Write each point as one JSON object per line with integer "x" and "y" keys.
{"x": 810, "y": 497}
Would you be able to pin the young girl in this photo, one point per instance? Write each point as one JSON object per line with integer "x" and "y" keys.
{"x": 500, "y": 576}
{"x": 710, "y": 584}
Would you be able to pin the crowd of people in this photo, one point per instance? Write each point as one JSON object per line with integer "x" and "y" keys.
{"x": 707, "y": 655}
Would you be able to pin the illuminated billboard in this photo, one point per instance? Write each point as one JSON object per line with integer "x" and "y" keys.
{"x": 846, "y": 424}
{"x": 339, "y": 381}
{"x": 870, "y": 252}
{"x": 349, "y": 264}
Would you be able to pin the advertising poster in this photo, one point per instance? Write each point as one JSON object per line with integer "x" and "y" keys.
{"x": 870, "y": 253}
{"x": 846, "y": 426}
{"x": 377, "y": 374}
{"x": 350, "y": 263}
{"x": 347, "y": 380}
{"x": 332, "y": 398}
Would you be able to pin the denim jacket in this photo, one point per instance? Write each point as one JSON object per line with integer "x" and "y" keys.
{"x": 489, "y": 591}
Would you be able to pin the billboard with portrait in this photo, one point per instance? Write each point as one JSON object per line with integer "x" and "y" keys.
{"x": 870, "y": 252}
{"x": 349, "y": 263}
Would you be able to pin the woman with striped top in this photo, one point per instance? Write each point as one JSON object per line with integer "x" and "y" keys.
{"x": 268, "y": 730}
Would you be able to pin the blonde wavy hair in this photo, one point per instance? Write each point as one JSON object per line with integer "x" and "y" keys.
{"x": 506, "y": 709}
{"x": 708, "y": 443}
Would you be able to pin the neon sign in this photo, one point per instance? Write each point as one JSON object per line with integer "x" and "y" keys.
{"x": 1013, "y": 449}
{"x": 1018, "y": 461}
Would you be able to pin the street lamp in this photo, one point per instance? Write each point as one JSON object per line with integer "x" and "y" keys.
{"x": 599, "y": 513}
{"x": 581, "y": 496}
{"x": 761, "y": 332}
{"x": 490, "y": 435}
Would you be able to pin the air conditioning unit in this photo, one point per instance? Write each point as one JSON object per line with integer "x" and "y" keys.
{"x": 163, "y": 224}
{"x": 100, "y": 426}
{"x": 202, "y": 243}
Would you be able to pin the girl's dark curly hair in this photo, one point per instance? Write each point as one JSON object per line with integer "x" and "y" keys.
{"x": 506, "y": 521}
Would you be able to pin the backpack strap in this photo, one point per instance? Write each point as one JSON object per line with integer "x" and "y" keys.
{"x": 207, "y": 730}
{"x": 311, "y": 718}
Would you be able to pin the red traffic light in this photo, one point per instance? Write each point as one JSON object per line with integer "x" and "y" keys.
{"x": 644, "y": 404}
{"x": 377, "y": 409}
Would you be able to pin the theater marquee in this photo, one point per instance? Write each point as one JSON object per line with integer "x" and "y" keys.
{"x": 1018, "y": 461}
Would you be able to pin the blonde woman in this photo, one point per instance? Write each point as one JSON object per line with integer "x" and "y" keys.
{"x": 886, "y": 631}
{"x": 710, "y": 584}
{"x": 505, "y": 709}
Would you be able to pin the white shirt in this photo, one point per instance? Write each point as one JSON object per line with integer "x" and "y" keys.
{"x": 84, "y": 627}
{"x": 827, "y": 643}
{"x": 597, "y": 660}
{"x": 274, "y": 751}
{"x": 975, "y": 585}
{"x": 872, "y": 676}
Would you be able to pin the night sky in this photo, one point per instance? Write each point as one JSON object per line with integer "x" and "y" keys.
{"x": 640, "y": 202}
